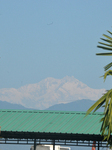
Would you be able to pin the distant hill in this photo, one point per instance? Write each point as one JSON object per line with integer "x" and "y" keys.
{"x": 79, "y": 105}
{"x": 7, "y": 105}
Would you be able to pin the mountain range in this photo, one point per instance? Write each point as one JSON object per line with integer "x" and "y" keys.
{"x": 67, "y": 94}
{"x": 49, "y": 92}
{"x": 79, "y": 105}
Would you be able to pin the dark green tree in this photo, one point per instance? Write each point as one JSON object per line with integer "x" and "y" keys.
{"x": 106, "y": 100}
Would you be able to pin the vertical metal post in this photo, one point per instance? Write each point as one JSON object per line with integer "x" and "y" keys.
{"x": 34, "y": 144}
{"x": 0, "y": 129}
{"x": 53, "y": 144}
{"x": 98, "y": 146}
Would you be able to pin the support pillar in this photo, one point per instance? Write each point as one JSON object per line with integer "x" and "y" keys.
{"x": 53, "y": 144}
{"x": 98, "y": 145}
{"x": 34, "y": 144}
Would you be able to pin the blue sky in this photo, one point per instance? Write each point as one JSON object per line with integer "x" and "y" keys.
{"x": 53, "y": 38}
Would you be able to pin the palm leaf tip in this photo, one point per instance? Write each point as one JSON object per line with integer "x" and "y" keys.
{"x": 96, "y": 105}
{"x": 108, "y": 66}
{"x": 109, "y": 32}
{"x": 109, "y": 72}
{"x": 108, "y": 37}
{"x": 106, "y": 40}
{"x": 105, "y": 48}
{"x": 104, "y": 54}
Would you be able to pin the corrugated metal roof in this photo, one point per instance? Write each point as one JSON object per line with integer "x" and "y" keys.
{"x": 50, "y": 122}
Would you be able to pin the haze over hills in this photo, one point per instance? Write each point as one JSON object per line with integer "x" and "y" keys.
{"x": 49, "y": 92}
{"x": 79, "y": 105}
{"x": 7, "y": 105}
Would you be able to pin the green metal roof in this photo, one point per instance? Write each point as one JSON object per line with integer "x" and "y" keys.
{"x": 52, "y": 122}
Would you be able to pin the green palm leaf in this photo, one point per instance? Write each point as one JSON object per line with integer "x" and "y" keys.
{"x": 105, "y": 48}
{"x": 109, "y": 72}
{"x": 109, "y": 32}
{"x": 105, "y": 44}
{"x": 95, "y": 105}
{"x": 104, "y": 54}
{"x": 106, "y": 128}
{"x": 106, "y": 100}
{"x": 107, "y": 40}
{"x": 108, "y": 66}
{"x": 106, "y": 104}
{"x": 108, "y": 37}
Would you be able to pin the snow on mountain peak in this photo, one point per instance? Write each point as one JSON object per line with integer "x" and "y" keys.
{"x": 50, "y": 91}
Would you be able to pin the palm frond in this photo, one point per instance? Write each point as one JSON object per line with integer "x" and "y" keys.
{"x": 102, "y": 119}
{"x": 106, "y": 128}
{"x": 104, "y": 54}
{"x": 106, "y": 40}
{"x": 106, "y": 100}
{"x": 108, "y": 37}
{"x": 105, "y": 48}
{"x": 108, "y": 66}
{"x": 109, "y": 32}
{"x": 106, "y": 104}
{"x": 110, "y": 45}
{"x": 109, "y": 72}
{"x": 95, "y": 105}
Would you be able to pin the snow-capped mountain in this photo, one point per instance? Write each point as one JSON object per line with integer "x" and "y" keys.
{"x": 49, "y": 92}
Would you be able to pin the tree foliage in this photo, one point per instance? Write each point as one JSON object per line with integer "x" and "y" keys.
{"x": 106, "y": 100}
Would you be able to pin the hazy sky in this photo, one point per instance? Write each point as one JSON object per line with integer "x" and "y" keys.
{"x": 53, "y": 38}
